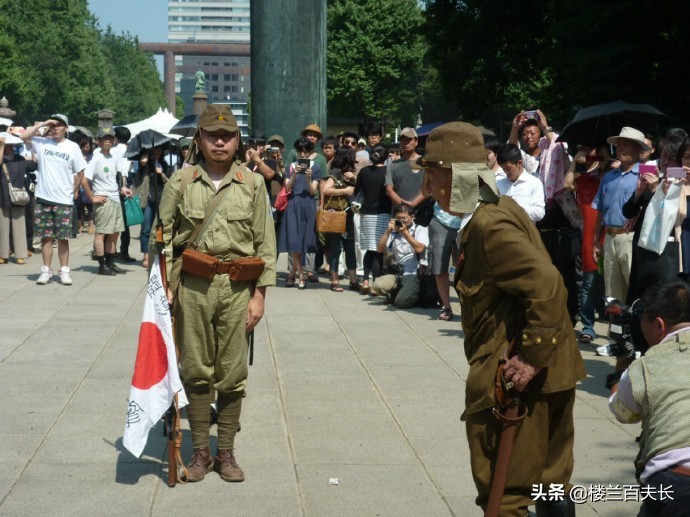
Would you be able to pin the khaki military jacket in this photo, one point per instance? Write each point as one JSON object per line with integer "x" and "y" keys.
{"x": 508, "y": 287}
{"x": 241, "y": 227}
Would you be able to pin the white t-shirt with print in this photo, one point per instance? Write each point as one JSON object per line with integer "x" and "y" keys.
{"x": 404, "y": 253}
{"x": 102, "y": 171}
{"x": 57, "y": 165}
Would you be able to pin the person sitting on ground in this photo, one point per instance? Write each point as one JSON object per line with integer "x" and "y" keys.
{"x": 409, "y": 243}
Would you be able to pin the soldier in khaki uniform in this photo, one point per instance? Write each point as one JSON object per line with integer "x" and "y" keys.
{"x": 508, "y": 289}
{"x": 213, "y": 317}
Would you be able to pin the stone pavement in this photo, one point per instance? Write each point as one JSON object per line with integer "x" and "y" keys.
{"x": 342, "y": 387}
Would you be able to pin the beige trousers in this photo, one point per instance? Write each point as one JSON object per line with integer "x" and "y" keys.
{"x": 617, "y": 262}
{"x": 13, "y": 217}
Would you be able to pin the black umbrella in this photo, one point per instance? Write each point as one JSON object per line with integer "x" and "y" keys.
{"x": 594, "y": 124}
{"x": 186, "y": 127}
{"x": 147, "y": 139}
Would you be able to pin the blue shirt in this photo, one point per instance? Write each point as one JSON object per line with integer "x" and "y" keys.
{"x": 451, "y": 221}
{"x": 614, "y": 191}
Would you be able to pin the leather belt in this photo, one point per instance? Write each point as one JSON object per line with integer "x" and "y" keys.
{"x": 616, "y": 231}
{"x": 680, "y": 469}
{"x": 223, "y": 268}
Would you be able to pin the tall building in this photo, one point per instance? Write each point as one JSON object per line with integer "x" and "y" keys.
{"x": 211, "y": 21}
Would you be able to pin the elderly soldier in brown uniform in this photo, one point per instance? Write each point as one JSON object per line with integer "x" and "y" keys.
{"x": 220, "y": 209}
{"x": 509, "y": 290}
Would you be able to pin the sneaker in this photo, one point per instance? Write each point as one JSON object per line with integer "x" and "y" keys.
{"x": 45, "y": 276}
{"x": 605, "y": 350}
{"x": 200, "y": 464}
{"x": 227, "y": 466}
{"x": 65, "y": 277}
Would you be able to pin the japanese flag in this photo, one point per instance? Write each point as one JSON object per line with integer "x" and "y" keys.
{"x": 156, "y": 378}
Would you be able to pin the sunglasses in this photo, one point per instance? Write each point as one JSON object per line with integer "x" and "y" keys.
{"x": 350, "y": 142}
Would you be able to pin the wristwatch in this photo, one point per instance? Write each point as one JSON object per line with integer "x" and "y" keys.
{"x": 548, "y": 129}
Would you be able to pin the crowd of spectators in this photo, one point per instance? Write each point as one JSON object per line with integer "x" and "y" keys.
{"x": 588, "y": 202}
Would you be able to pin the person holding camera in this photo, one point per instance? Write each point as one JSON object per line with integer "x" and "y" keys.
{"x": 655, "y": 391}
{"x": 409, "y": 243}
{"x": 297, "y": 234}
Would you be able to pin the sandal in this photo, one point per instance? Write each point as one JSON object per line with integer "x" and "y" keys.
{"x": 290, "y": 282}
{"x": 145, "y": 261}
{"x": 336, "y": 288}
{"x": 446, "y": 314}
{"x": 585, "y": 338}
{"x": 301, "y": 284}
{"x": 311, "y": 277}
{"x": 364, "y": 288}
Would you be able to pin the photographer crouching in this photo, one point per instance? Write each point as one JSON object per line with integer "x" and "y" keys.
{"x": 655, "y": 390}
{"x": 408, "y": 242}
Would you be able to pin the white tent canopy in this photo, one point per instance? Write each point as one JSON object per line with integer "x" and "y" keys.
{"x": 162, "y": 121}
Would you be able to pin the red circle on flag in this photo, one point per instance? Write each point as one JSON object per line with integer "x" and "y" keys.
{"x": 152, "y": 357}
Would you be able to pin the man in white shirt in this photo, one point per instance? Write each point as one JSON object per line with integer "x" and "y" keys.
{"x": 408, "y": 242}
{"x": 525, "y": 189}
{"x": 60, "y": 168}
{"x": 103, "y": 171}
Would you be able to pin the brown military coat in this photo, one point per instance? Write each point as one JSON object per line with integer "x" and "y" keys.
{"x": 508, "y": 287}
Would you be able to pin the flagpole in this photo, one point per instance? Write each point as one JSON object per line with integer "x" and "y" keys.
{"x": 172, "y": 415}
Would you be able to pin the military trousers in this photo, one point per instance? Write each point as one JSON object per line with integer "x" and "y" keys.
{"x": 542, "y": 453}
{"x": 210, "y": 331}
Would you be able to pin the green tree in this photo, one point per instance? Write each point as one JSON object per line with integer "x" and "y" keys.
{"x": 138, "y": 89}
{"x": 54, "y": 58}
{"x": 376, "y": 53}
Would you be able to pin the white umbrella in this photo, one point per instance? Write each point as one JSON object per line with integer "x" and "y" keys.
{"x": 162, "y": 122}
{"x": 5, "y": 121}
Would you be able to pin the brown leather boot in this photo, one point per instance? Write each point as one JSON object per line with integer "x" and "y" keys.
{"x": 227, "y": 467}
{"x": 199, "y": 465}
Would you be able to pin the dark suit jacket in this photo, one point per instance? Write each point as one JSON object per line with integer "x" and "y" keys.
{"x": 508, "y": 287}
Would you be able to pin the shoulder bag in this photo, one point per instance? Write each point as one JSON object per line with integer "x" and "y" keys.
{"x": 18, "y": 196}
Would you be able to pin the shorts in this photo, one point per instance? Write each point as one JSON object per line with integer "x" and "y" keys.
{"x": 441, "y": 245}
{"x": 109, "y": 218}
{"x": 52, "y": 221}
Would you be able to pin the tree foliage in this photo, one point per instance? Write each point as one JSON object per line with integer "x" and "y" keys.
{"x": 376, "y": 54}
{"x": 559, "y": 55}
{"x": 55, "y": 58}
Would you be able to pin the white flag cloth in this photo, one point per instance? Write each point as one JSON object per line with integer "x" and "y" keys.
{"x": 156, "y": 378}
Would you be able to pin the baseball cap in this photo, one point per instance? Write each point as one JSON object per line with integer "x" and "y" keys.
{"x": 408, "y": 132}
{"x": 216, "y": 117}
{"x": 276, "y": 138}
{"x": 62, "y": 118}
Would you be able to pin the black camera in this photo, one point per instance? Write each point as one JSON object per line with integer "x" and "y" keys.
{"x": 398, "y": 225}
{"x": 625, "y": 334}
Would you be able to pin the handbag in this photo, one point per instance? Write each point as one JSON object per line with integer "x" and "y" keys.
{"x": 281, "y": 200}
{"x": 660, "y": 218}
{"x": 330, "y": 221}
{"x": 18, "y": 196}
{"x": 133, "y": 212}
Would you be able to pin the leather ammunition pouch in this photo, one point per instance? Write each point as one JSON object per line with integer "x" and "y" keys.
{"x": 205, "y": 266}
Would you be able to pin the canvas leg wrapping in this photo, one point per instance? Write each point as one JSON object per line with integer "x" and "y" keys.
{"x": 229, "y": 409}
{"x": 198, "y": 414}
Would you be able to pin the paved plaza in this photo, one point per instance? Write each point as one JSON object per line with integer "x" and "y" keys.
{"x": 353, "y": 409}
